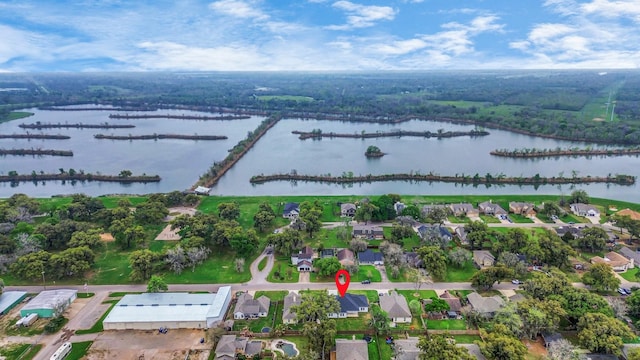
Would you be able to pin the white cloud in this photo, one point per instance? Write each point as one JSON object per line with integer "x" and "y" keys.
{"x": 238, "y": 8}
{"x": 361, "y": 16}
{"x": 613, "y": 9}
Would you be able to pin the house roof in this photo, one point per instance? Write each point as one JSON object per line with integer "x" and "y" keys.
{"x": 413, "y": 259}
{"x": 454, "y": 304}
{"x": 246, "y": 304}
{"x": 8, "y": 298}
{"x": 480, "y": 255}
{"x": 367, "y": 229}
{"x": 253, "y": 347}
{"x": 344, "y": 254}
{"x": 352, "y": 302}
{"x": 226, "y": 347}
{"x": 611, "y": 258}
{"x": 483, "y": 304}
{"x": 428, "y": 208}
{"x": 462, "y": 207}
{"x": 395, "y": 305}
{"x": 561, "y": 230}
{"x": 328, "y": 252}
{"x": 461, "y": 232}
{"x": 347, "y": 206}
{"x": 630, "y": 254}
{"x": 304, "y": 263}
{"x": 522, "y": 206}
{"x": 351, "y": 349}
{"x": 487, "y": 205}
{"x": 369, "y": 256}
{"x": 50, "y": 299}
{"x": 424, "y": 228}
{"x": 290, "y": 300}
{"x": 409, "y": 348}
{"x": 583, "y": 208}
{"x": 548, "y": 338}
{"x": 289, "y": 207}
{"x": 634, "y": 215}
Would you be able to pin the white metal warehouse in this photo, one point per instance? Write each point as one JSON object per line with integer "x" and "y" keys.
{"x": 48, "y": 303}
{"x": 170, "y": 310}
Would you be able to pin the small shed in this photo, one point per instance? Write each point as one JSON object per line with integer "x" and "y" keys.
{"x": 9, "y": 299}
{"x": 48, "y": 303}
{"x": 548, "y": 338}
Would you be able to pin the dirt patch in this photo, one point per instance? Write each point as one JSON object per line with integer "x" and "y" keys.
{"x": 106, "y": 237}
{"x": 598, "y": 119}
{"x": 180, "y": 210}
{"x": 169, "y": 235}
{"x": 536, "y": 348}
{"x": 137, "y": 344}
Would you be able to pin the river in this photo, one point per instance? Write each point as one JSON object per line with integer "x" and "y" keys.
{"x": 180, "y": 162}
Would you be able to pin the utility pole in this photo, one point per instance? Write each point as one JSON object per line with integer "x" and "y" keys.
{"x": 44, "y": 284}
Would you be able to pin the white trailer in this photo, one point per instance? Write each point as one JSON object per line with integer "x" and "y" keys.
{"x": 29, "y": 319}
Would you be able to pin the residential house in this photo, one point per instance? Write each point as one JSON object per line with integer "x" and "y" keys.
{"x": 396, "y": 307}
{"x": 350, "y": 350}
{"x": 584, "y": 209}
{"x": 425, "y": 231}
{"x": 249, "y": 308}
{"x": 634, "y": 256}
{"x": 409, "y": 348}
{"x": 414, "y": 260}
{"x": 201, "y": 190}
{"x": 348, "y": 210}
{"x": 304, "y": 259}
{"x": 486, "y": 306}
{"x": 617, "y": 262}
{"x": 288, "y": 316}
{"x": 398, "y": 207}
{"x": 574, "y": 230}
{"x": 346, "y": 257}
{"x": 291, "y": 210}
{"x": 454, "y": 302}
{"x": 483, "y": 258}
{"x": 491, "y": 209}
{"x": 428, "y": 208}
{"x": 369, "y": 257}
{"x": 461, "y": 233}
{"x": 351, "y": 305}
{"x": 230, "y": 345}
{"x": 369, "y": 232}
{"x": 522, "y": 208}
{"x": 463, "y": 209}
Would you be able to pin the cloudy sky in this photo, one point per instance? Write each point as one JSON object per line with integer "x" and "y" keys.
{"x": 304, "y": 35}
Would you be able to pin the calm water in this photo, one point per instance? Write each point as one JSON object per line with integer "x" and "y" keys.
{"x": 180, "y": 162}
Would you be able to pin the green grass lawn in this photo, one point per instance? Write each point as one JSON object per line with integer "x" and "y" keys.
{"x": 288, "y": 273}
{"x": 372, "y": 295}
{"x": 353, "y": 324}
{"x": 449, "y": 324}
{"x": 365, "y": 271}
{"x": 273, "y": 295}
{"x": 630, "y": 275}
{"x": 218, "y": 268}
{"x": 79, "y": 350}
{"x": 544, "y": 218}
{"x": 489, "y": 219}
{"x": 98, "y": 327}
{"x": 20, "y": 351}
{"x": 408, "y": 244}
{"x": 455, "y": 274}
{"x": 458, "y": 219}
{"x": 329, "y": 239}
{"x": 466, "y": 339}
{"x": 422, "y": 294}
{"x": 263, "y": 263}
{"x": 519, "y": 219}
{"x": 36, "y": 328}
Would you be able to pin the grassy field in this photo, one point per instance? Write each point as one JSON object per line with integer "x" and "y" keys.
{"x": 408, "y": 244}
{"x": 372, "y": 295}
{"x": 273, "y": 295}
{"x": 262, "y": 263}
{"x": 519, "y": 219}
{"x": 449, "y": 324}
{"x": 79, "y": 350}
{"x": 630, "y": 275}
{"x": 353, "y": 324}
{"x": 288, "y": 272}
{"x": 20, "y": 351}
{"x": 15, "y": 115}
{"x": 455, "y": 274}
{"x": 421, "y": 294}
{"x": 329, "y": 239}
{"x": 489, "y": 219}
{"x": 466, "y": 339}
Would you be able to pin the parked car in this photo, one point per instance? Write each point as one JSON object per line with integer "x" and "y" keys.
{"x": 366, "y": 281}
{"x": 621, "y": 291}
{"x": 628, "y": 291}
{"x": 516, "y": 282}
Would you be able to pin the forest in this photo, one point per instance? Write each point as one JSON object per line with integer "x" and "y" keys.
{"x": 577, "y": 105}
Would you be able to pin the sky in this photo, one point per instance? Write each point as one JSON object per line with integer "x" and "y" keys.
{"x": 317, "y": 35}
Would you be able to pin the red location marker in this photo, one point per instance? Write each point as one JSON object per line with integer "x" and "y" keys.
{"x": 342, "y": 287}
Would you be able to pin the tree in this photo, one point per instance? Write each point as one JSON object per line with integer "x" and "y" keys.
{"x": 579, "y": 196}
{"x": 124, "y": 173}
{"x": 486, "y": 277}
{"x": 358, "y": 245}
{"x": 508, "y": 317}
{"x": 379, "y": 321}
{"x": 151, "y": 212}
{"x": 244, "y": 244}
{"x": 90, "y": 239}
{"x": 540, "y": 316}
{"x": 197, "y": 255}
{"x": 399, "y": 233}
{"x": 239, "y": 264}
{"x": 435, "y": 261}
{"x": 601, "y": 277}
{"x": 412, "y": 211}
{"x": 577, "y": 302}
{"x": 328, "y": 266}
{"x": 365, "y": 212}
{"x": 157, "y": 284}
{"x": 511, "y": 260}
{"x": 31, "y": 266}
{"x": 602, "y": 334}
{"x": 176, "y": 258}
{"x": 562, "y": 349}
{"x": 315, "y": 306}
{"x": 541, "y": 285}
{"x": 634, "y": 354}
{"x": 311, "y": 213}
{"x": 414, "y": 307}
{"x": 593, "y": 239}
{"x": 142, "y": 263}
{"x": 393, "y": 255}
{"x": 229, "y": 210}
{"x": 286, "y": 242}
{"x": 551, "y": 209}
{"x": 436, "y": 346}
{"x": 501, "y": 345}
{"x": 1, "y": 286}
{"x": 436, "y": 305}
{"x": 437, "y": 215}
{"x": 459, "y": 257}
{"x": 321, "y": 336}
{"x": 262, "y": 220}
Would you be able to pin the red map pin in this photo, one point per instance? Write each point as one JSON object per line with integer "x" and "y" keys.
{"x": 342, "y": 287}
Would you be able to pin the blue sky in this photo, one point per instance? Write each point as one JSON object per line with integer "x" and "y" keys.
{"x": 317, "y": 35}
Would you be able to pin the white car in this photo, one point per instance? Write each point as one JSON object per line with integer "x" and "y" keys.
{"x": 516, "y": 282}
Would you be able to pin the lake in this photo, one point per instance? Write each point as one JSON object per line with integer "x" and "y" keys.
{"x": 181, "y": 162}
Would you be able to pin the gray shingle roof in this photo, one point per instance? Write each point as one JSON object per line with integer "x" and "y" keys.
{"x": 290, "y": 300}
{"x": 483, "y": 304}
{"x": 395, "y": 305}
{"x": 351, "y": 349}
{"x": 352, "y": 302}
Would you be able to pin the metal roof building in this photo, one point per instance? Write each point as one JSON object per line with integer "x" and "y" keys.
{"x": 9, "y": 299}
{"x": 49, "y": 302}
{"x": 170, "y": 310}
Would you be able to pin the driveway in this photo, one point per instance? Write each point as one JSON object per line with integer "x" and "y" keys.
{"x": 260, "y": 277}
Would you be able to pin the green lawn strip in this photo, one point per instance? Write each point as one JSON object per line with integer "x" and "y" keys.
{"x": 121, "y": 293}
{"x": 302, "y": 342}
{"x": 458, "y": 219}
{"x": 463, "y": 274}
{"x": 408, "y": 244}
{"x": 31, "y": 352}
{"x": 353, "y": 323}
{"x": 111, "y": 266}
{"x": 519, "y": 219}
{"x": 466, "y": 339}
{"x": 489, "y": 219}
{"x": 111, "y": 202}
{"x": 385, "y": 349}
{"x": 544, "y": 218}
{"x": 372, "y": 348}
{"x": 263, "y": 263}
{"x": 79, "y": 350}
{"x": 272, "y": 295}
{"x": 98, "y": 327}
{"x": 83, "y": 295}
{"x": 630, "y": 275}
{"x": 372, "y": 295}
{"x": 288, "y": 273}
{"x": 402, "y": 277}
{"x": 13, "y": 352}
{"x": 367, "y": 272}
{"x": 15, "y": 115}
{"x": 328, "y": 238}
{"x": 573, "y": 218}
{"x": 218, "y": 268}
{"x": 299, "y": 98}
{"x": 448, "y": 324}
{"x": 422, "y": 294}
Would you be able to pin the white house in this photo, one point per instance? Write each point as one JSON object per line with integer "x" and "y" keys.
{"x": 396, "y": 307}
{"x": 350, "y": 306}
{"x": 584, "y": 209}
{"x": 249, "y": 308}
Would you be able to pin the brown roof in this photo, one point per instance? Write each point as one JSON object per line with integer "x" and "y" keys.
{"x": 454, "y": 303}
{"x": 611, "y": 258}
{"x": 634, "y": 215}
